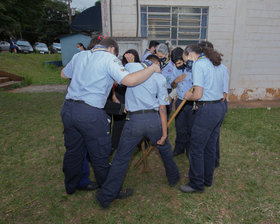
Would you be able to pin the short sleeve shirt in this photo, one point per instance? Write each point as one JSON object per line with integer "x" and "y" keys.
{"x": 147, "y": 95}
{"x": 92, "y": 75}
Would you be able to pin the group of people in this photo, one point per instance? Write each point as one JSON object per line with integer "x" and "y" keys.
{"x": 138, "y": 96}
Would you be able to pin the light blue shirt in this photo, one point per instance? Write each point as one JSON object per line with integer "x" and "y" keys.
{"x": 209, "y": 78}
{"x": 223, "y": 69}
{"x": 146, "y": 54}
{"x": 147, "y": 95}
{"x": 167, "y": 73}
{"x": 185, "y": 85}
{"x": 93, "y": 75}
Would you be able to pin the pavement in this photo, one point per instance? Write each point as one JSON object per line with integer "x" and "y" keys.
{"x": 231, "y": 104}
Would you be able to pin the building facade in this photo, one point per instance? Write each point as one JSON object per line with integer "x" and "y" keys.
{"x": 247, "y": 32}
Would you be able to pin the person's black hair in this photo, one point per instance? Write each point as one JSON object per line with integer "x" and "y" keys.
{"x": 110, "y": 42}
{"x": 177, "y": 54}
{"x": 206, "y": 43}
{"x": 80, "y": 44}
{"x": 153, "y": 58}
{"x": 131, "y": 51}
{"x": 214, "y": 56}
{"x": 95, "y": 40}
{"x": 153, "y": 43}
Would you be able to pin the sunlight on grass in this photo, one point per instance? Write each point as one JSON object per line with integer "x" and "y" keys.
{"x": 32, "y": 66}
{"x": 245, "y": 190}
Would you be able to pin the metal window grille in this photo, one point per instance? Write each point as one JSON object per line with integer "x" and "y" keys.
{"x": 181, "y": 25}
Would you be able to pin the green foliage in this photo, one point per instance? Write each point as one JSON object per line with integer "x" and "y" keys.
{"x": 34, "y": 20}
{"x": 32, "y": 68}
{"x": 245, "y": 190}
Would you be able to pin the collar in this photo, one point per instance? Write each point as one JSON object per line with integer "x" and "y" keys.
{"x": 98, "y": 47}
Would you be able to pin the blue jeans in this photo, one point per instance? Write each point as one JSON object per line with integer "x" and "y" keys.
{"x": 202, "y": 152}
{"x": 183, "y": 123}
{"x": 217, "y": 161}
{"x": 85, "y": 128}
{"x": 139, "y": 126}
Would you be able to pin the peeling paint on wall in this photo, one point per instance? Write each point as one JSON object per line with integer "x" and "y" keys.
{"x": 254, "y": 94}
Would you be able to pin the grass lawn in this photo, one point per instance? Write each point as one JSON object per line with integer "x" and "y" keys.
{"x": 246, "y": 186}
{"x": 31, "y": 66}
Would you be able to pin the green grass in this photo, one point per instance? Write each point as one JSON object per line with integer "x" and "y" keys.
{"x": 31, "y": 67}
{"x": 245, "y": 190}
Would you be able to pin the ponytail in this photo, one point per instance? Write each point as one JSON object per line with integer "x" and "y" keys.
{"x": 214, "y": 56}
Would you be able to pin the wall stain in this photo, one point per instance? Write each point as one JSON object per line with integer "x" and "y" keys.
{"x": 245, "y": 95}
{"x": 275, "y": 93}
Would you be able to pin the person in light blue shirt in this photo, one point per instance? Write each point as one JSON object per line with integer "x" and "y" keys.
{"x": 167, "y": 66}
{"x": 182, "y": 80}
{"x": 145, "y": 104}
{"x": 152, "y": 50}
{"x": 86, "y": 124}
{"x": 223, "y": 71}
{"x": 208, "y": 91}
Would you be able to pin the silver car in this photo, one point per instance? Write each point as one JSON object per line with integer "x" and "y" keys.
{"x": 4, "y": 46}
{"x": 23, "y": 46}
{"x": 42, "y": 48}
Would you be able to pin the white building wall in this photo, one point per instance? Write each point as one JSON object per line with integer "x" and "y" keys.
{"x": 246, "y": 31}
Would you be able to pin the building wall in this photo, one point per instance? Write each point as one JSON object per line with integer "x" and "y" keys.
{"x": 245, "y": 31}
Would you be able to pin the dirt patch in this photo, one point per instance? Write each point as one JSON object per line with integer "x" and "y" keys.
{"x": 254, "y": 104}
{"x": 40, "y": 89}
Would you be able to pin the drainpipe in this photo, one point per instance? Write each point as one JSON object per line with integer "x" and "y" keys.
{"x": 111, "y": 25}
{"x": 137, "y": 20}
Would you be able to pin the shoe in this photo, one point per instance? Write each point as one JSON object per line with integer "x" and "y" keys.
{"x": 189, "y": 189}
{"x": 90, "y": 187}
{"x": 207, "y": 185}
{"x": 125, "y": 193}
{"x": 98, "y": 196}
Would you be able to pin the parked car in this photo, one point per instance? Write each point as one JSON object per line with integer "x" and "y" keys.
{"x": 55, "y": 48}
{"x": 42, "y": 48}
{"x": 24, "y": 46}
{"x": 4, "y": 46}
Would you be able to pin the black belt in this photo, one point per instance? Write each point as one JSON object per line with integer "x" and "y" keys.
{"x": 205, "y": 102}
{"x": 78, "y": 101}
{"x": 143, "y": 111}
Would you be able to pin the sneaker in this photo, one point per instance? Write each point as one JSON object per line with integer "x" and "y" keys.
{"x": 188, "y": 189}
{"x": 125, "y": 193}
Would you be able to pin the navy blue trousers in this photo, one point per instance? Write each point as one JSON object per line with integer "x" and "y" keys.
{"x": 217, "y": 161}
{"x": 86, "y": 171}
{"x": 202, "y": 151}
{"x": 137, "y": 127}
{"x": 85, "y": 128}
{"x": 183, "y": 123}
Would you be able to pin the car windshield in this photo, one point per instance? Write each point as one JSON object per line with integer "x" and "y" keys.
{"x": 41, "y": 45}
{"x": 56, "y": 44}
{"x": 23, "y": 43}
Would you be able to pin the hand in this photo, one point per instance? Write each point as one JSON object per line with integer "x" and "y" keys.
{"x": 129, "y": 57}
{"x": 115, "y": 99}
{"x": 187, "y": 95}
{"x": 224, "y": 96}
{"x": 162, "y": 140}
{"x": 156, "y": 68}
{"x": 180, "y": 78}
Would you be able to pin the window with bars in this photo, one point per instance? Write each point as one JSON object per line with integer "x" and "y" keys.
{"x": 181, "y": 25}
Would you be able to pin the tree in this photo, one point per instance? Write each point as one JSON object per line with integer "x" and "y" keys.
{"x": 54, "y": 21}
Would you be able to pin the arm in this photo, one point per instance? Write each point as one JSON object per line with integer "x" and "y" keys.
{"x": 195, "y": 95}
{"x": 62, "y": 75}
{"x": 163, "y": 117}
{"x": 136, "y": 78}
{"x": 180, "y": 78}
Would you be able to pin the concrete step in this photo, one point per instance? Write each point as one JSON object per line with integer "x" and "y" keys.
{"x": 4, "y": 79}
{"x": 7, "y": 85}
